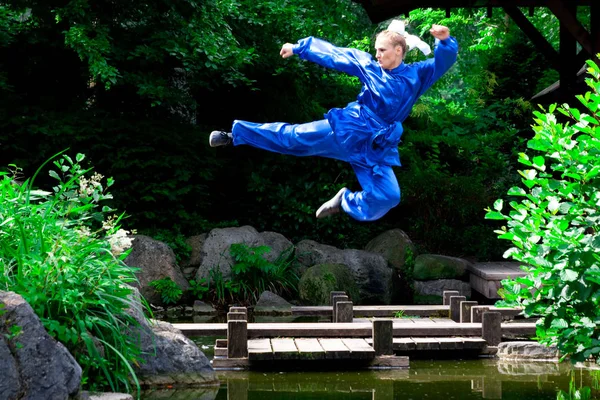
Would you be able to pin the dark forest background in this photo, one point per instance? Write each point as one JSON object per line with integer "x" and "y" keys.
{"x": 138, "y": 86}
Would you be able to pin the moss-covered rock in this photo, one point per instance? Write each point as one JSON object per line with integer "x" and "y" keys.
{"x": 433, "y": 266}
{"x": 393, "y": 245}
{"x": 318, "y": 281}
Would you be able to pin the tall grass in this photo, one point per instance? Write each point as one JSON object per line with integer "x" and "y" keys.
{"x": 64, "y": 253}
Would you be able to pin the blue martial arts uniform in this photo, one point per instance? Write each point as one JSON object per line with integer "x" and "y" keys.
{"x": 367, "y": 131}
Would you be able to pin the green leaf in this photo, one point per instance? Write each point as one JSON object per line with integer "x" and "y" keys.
{"x": 568, "y": 275}
{"x": 498, "y": 205}
{"x": 494, "y": 215}
{"x": 559, "y": 323}
{"x": 538, "y": 162}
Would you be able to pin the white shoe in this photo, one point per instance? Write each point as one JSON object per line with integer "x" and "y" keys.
{"x": 332, "y": 206}
{"x": 220, "y": 138}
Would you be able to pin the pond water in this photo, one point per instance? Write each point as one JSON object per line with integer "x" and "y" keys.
{"x": 447, "y": 379}
{"x": 468, "y": 379}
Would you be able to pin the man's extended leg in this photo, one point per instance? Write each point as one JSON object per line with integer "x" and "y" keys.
{"x": 310, "y": 139}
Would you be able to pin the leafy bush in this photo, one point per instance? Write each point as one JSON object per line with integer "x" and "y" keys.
{"x": 168, "y": 290}
{"x": 251, "y": 274}
{"x": 61, "y": 254}
{"x": 555, "y": 226}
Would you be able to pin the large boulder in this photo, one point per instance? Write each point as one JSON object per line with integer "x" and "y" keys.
{"x": 218, "y": 242}
{"x": 525, "y": 350}
{"x": 155, "y": 261}
{"x": 167, "y": 356}
{"x": 371, "y": 272}
{"x": 33, "y": 365}
{"x": 393, "y": 245}
{"x": 434, "y": 266}
{"x": 319, "y": 280}
{"x": 270, "y": 303}
{"x": 437, "y": 287}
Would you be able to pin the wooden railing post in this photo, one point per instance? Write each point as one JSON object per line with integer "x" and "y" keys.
{"x": 455, "y": 307}
{"x": 477, "y": 313}
{"x": 237, "y": 333}
{"x": 447, "y": 294}
{"x": 332, "y": 295}
{"x": 336, "y": 299}
{"x": 344, "y": 311}
{"x": 465, "y": 310}
{"x": 491, "y": 328}
{"x": 383, "y": 337}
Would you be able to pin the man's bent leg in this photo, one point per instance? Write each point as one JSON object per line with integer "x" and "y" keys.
{"x": 380, "y": 193}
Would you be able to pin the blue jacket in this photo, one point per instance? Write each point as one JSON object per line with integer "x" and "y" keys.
{"x": 368, "y": 130}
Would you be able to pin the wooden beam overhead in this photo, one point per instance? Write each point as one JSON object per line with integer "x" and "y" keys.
{"x": 567, "y": 15}
{"x": 534, "y": 35}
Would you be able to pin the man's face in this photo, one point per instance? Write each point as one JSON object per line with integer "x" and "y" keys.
{"x": 388, "y": 55}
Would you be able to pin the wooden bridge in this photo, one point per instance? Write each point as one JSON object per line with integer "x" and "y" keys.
{"x": 359, "y": 342}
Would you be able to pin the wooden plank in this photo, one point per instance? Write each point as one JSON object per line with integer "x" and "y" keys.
{"x": 518, "y": 328}
{"x": 426, "y": 343}
{"x": 230, "y": 363}
{"x": 260, "y": 349}
{"x": 415, "y": 327}
{"x": 567, "y": 15}
{"x": 473, "y": 343}
{"x": 359, "y": 348}
{"x": 375, "y": 311}
{"x": 334, "y": 348}
{"x": 389, "y": 362}
{"x": 454, "y": 343}
{"x": 284, "y": 349}
{"x": 404, "y": 344}
{"x": 309, "y": 349}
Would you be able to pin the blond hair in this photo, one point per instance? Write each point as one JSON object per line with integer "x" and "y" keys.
{"x": 395, "y": 39}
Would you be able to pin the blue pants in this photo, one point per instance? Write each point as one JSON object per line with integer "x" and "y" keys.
{"x": 381, "y": 191}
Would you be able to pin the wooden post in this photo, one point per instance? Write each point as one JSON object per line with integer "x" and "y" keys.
{"x": 455, "y": 307}
{"x": 465, "y": 310}
{"x": 236, "y": 316}
{"x": 237, "y": 389}
{"x": 492, "y": 388}
{"x": 568, "y": 52}
{"x": 333, "y": 294}
{"x": 491, "y": 328}
{"x": 383, "y": 337}
{"x": 337, "y": 298}
{"x": 446, "y": 296}
{"x": 477, "y": 313}
{"x": 238, "y": 310}
{"x": 237, "y": 339}
{"x": 344, "y": 311}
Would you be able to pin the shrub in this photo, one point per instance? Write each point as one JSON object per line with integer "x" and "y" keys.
{"x": 61, "y": 254}
{"x": 554, "y": 227}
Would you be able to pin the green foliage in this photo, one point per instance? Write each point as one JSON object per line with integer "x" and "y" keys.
{"x": 198, "y": 288}
{"x": 63, "y": 253}
{"x": 168, "y": 290}
{"x": 251, "y": 274}
{"x": 555, "y": 223}
{"x": 577, "y": 391}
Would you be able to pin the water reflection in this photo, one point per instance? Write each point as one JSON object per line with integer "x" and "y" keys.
{"x": 464, "y": 380}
